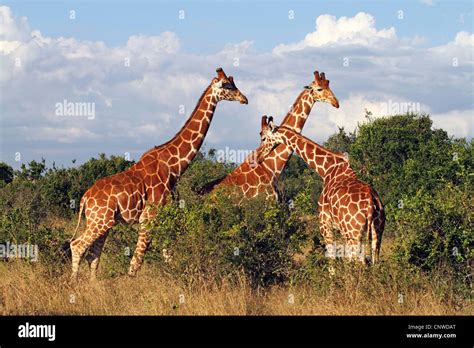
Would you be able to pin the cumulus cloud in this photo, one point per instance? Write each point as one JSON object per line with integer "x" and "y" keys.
{"x": 140, "y": 88}
{"x": 357, "y": 30}
{"x": 459, "y": 122}
{"x": 13, "y": 29}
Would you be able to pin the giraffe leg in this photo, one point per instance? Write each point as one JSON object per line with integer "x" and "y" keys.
{"x": 328, "y": 235}
{"x": 93, "y": 256}
{"x": 78, "y": 248}
{"x": 327, "y": 232}
{"x": 355, "y": 249}
{"x": 144, "y": 239}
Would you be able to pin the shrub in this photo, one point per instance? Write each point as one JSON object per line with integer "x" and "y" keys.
{"x": 217, "y": 238}
{"x": 435, "y": 230}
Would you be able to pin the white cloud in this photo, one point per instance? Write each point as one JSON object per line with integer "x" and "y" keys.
{"x": 465, "y": 39}
{"x": 167, "y": 42}
{"x": 458, "y": 122}
{"x": 239, "y": 49}
{"x": 65, "y": 135}
{"x": 12, "y": 29}
{"x": 357, "y": 30}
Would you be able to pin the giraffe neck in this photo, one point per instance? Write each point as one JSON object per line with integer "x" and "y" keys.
{"x": 299, "y": 112}
{"x": 189, "y": 139}
{"x": 320, "y": 159}
{"x": 178, "y": 152}
{"x": 294, "y": 120}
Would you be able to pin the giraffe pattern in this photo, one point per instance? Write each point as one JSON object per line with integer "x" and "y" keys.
{"x": 346, "y": 204}
{"x": 128, "y": 196}
{"x": 253, "y": 178}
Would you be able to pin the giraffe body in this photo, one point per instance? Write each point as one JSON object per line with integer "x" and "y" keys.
{"x": 129, "y": 196}
{"x": 346, "y": 204}
{"x": 252, "y": 178}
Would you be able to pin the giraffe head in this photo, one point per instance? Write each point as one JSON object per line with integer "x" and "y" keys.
{"x": 225, "y": 89}
{"x": 269, "y": 138}
{"x": 320, "y": 90}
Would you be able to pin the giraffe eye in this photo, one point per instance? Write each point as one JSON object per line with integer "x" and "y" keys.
{"x": 319, "y": 89}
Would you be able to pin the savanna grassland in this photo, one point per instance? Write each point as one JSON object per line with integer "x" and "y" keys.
{"x": 260, "y": 257}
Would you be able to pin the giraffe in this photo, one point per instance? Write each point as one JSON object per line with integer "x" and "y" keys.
{"x": 128, "y": 196}
{"x": 254, "y": 178}
{"x": 346, "y": 203}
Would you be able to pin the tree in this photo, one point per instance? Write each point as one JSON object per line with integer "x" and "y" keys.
{"x": 33, "y": 171}
{"x": 402, "y": 154}
{"x": 6, "y": 174}
{"x": 340, "y": 141}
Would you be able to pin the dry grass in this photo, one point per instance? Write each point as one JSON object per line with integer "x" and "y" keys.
{"x": 27, "y": 289}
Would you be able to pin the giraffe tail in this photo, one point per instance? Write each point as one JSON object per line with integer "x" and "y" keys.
{"x": 81, "y": 207}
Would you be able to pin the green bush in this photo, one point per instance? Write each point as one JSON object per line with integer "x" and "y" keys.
{"x": 435, "y": 230}
{"x": 217, "y": 238}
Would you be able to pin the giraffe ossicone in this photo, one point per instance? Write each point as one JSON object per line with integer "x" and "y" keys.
{"x": 129, "y": 196}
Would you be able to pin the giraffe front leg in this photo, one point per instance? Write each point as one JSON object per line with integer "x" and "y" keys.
{"x": 93, "y": 256}
{"x": 144, "y": 239}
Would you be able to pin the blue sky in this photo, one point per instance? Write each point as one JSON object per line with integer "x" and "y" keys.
{"x": 264, "y": 22}
{"x": 424, "y": 58}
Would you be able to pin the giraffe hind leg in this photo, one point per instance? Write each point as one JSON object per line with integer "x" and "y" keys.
{"x": 78, "y": 248}
{"x": 355, "y": 249}
{"x": 80, "y": 245}
{"x": 328, "y": 235}
{"x": 94, "y": 253}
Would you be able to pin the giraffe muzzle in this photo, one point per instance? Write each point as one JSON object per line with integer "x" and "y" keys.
{"x": 244, "y": 100}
